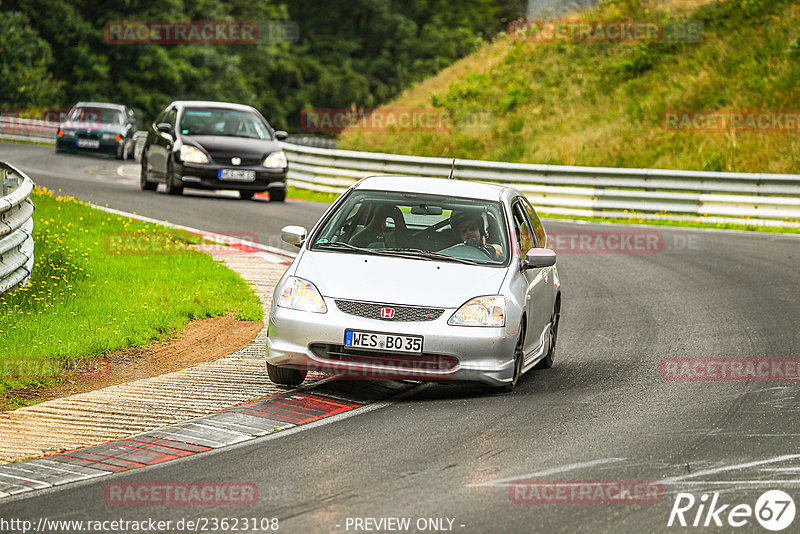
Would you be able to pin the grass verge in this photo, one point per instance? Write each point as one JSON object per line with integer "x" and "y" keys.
{"x": 102, "y": 282}
{"x": 605, "y": 104}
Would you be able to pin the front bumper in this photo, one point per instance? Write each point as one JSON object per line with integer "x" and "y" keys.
{"x": 299, "y": 340}
{"x": 207, "y": 177}
{"x": 70, "y": 144}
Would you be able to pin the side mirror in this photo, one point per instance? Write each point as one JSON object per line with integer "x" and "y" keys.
{"x": 164, "y": 127}
{"x": 294, "y": 235}
{"x": 280, "y": 135}
{"x": 539, "y": 257}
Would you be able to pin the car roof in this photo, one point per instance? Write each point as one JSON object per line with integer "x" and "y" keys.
{"x": 436, "y": 186}
{"x": 212, "y": 104}
{"x": 100, "y": 105}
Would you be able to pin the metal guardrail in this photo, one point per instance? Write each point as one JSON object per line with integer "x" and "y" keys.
{"x": 759, "y": 199}
{"x": 16, "y": 227}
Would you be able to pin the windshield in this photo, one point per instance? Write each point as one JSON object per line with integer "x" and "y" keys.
{"x": 417, "y": 225}
{"x": 196, "y": 121}
{"x": 92, "y": 114}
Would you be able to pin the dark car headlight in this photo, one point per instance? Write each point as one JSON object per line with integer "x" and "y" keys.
{"x": 276, "y": 160}
{"x": 190, "y": 154}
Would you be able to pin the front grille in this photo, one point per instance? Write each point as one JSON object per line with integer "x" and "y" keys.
{"x": 224, "y": 158}
{"x": 371, "y": 310}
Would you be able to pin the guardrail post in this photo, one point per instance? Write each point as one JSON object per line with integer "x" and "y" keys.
{"x": 6, "y": 181}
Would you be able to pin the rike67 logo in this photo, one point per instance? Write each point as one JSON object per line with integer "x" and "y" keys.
{"x": 774, "y": 510}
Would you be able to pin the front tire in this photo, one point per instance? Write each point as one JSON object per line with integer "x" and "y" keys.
{"x": 144, "y": 183}
{"x": 284, "y": 376}
{"x": 519, "y": 360}
{"x": 277, "y": 195}
{"x": 246, "y": 195}
{"x": 547, "y": 361}
{"x": 172, "y": 187}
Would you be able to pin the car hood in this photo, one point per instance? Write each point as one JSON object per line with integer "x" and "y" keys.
{"x": 221, "y": 147}
{"x": 93, "y": 126}
{"x": 397, "y": 280}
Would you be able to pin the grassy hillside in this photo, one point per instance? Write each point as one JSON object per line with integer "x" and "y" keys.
{"x": 604, "y": 104}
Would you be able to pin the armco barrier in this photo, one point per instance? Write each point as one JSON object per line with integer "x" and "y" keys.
{"x": 759, "y": 199}
{"x": 16, "y": 227}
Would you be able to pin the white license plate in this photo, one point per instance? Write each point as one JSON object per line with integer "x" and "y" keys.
{"x": 239, "y": 175}
{"x": 358, "y": 339}
{"x": 88, "y": 143}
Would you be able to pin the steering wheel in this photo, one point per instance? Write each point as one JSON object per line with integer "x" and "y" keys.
{"x": 466, "y": 252}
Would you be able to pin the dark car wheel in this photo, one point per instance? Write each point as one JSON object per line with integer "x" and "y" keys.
{"x": 277, "y": 195}
{"x": 144, "y": 183}
{"x": 132, "y": 150}
{"x": 284, "y": 376}
{"x": 172, "y": 187}
{"x": 246, "y": 195}
{"x": 519, "y": 359}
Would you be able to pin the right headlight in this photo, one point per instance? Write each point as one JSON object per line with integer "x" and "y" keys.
{"x": 481, "y": 311}
{"x": 299, "y": 294}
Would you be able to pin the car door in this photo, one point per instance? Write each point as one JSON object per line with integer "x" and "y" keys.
{"x": 541, "y": 241}
{"x": 162, "y": 142}
{"x": 536, "y": 304}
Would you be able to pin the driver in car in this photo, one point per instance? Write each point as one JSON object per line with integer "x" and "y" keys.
{"x": 469, "y": 227}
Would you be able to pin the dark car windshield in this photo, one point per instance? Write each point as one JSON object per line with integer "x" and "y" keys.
{"x": 227, "y": 122}
{"x": 417, "y": 225}
{"x": 94, "y": 114}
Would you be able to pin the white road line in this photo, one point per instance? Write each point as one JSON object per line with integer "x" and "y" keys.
{"x": 276, "y": 255}
{"x": 716, "y": 470}
{"x": 552, "y": 471}
{"x": 774, "y": 482}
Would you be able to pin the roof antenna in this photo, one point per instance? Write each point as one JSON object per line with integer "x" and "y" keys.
{"x": 452, "y": 168}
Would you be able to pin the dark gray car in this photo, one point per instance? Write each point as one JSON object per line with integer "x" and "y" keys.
{"x": 214, "y": 145}
{"x": 100, "y": 128}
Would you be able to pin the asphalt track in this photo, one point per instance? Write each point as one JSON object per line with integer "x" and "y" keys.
{"x": 602, "y": 413}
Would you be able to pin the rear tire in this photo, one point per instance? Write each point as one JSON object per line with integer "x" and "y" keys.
{"x": 285, "y": 376}
{"x": 278, "y": 195}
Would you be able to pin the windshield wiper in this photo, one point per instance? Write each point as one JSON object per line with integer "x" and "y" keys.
{"x": 428, "y": 254}
{"x": 346, "y": 246}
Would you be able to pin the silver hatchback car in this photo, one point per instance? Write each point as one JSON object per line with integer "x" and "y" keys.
{"x": 421, "y": 279}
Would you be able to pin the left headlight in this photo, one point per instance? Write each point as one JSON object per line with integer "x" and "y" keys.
{"x": 276, "y": 160}
{"x": 190, "y": 154}
{"x": 481, "y": 311}
{"x": 299, "y": 294}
